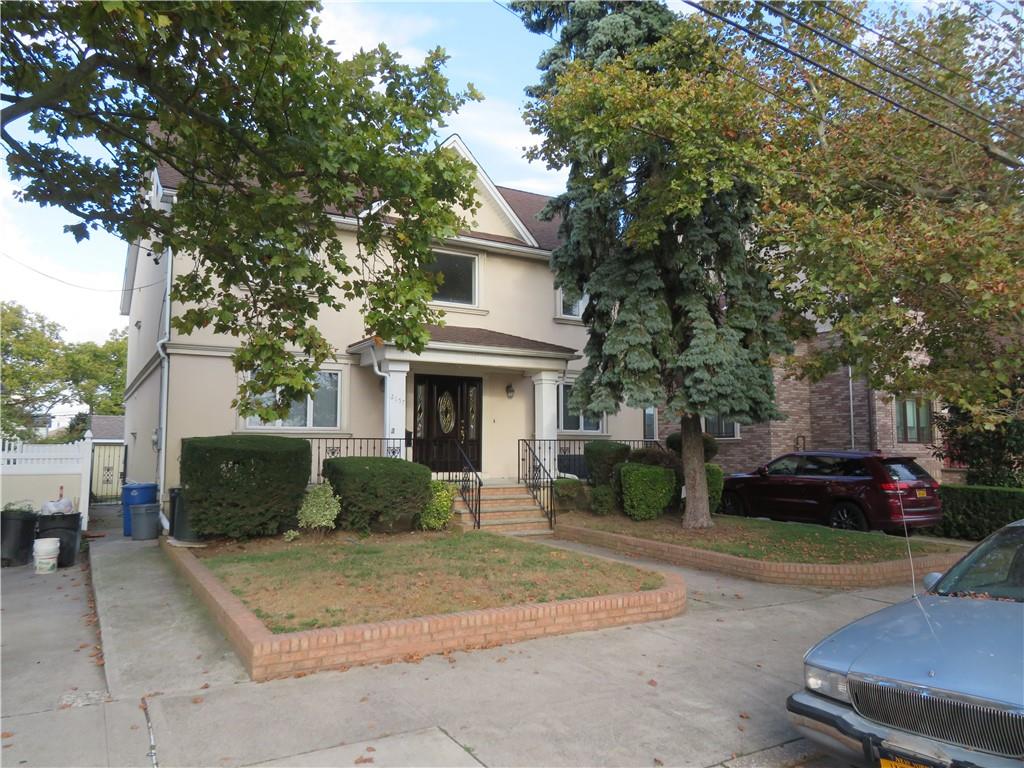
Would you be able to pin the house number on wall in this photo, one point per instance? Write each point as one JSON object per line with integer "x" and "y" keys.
{"x": 446, "y": 412}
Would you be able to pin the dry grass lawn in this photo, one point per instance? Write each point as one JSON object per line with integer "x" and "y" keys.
{"x": 342, "y": 579}
{"x": 765, "y": 539}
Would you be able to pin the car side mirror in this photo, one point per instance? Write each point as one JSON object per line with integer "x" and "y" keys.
{"x": 762, "y": 470}
{"x": 930, "y": 580}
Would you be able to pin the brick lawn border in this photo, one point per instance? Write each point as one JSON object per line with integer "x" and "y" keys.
{"x": 802, "y": 574}
{"x": 267, "y": 656}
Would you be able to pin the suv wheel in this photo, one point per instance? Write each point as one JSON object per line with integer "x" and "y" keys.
{"x": 732, "y": 504}
{"x": 847, "y": 516}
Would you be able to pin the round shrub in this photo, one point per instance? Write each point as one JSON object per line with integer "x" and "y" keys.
{"x": 570, "y": 494}
{"x": 602, "y": 500}
{"x": 646, "y": 491}
{"x": 716, "y": 482}
{"x": 601, "y": 456}
{"x": 674, "y": 442}
{"x": 656, "y": 457}
{"x": 320, "y": 508}
{"x": 380, "y": 493}
{"x": 244, "y": 485}
{"x": 439, "y": 509}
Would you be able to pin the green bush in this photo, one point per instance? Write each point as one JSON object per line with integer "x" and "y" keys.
{"x": 657, "y": 457}
{"x": 602, "y": 500}
{"x": 616, "y": 485}
{"x": 601, "y": 457}
{"x": 674, "y": 442}
{"x": 570, "y": 494}
{"x": 646, "y": 490}
{"x": 320, "y": 509}
{"x": 974, "y": 511}
{"x": 380, "y": 493}
{"x": 716, "y": 482}
{"x": 439, "y": 509}
{"x": 244, "y": 485}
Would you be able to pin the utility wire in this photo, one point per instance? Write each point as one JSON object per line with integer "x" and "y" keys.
{"x": 1009, "y": 11}
{"x": 992, "y": 151}
{"x": 884, "y": 67}
{"x": 75, "y": 285}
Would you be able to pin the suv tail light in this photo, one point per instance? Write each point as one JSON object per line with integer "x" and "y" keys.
{"x": 894, "y": 487}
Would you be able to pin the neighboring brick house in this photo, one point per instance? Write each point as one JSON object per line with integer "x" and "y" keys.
{"x": 818, "y": 416}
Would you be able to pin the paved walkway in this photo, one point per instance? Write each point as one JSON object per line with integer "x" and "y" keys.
{"x": 705, "y": 689}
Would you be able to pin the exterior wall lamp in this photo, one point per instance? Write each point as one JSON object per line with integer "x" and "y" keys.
{"x": 510, "y": 391}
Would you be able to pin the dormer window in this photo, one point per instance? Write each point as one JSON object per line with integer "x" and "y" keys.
{"x": 459, "y": 278}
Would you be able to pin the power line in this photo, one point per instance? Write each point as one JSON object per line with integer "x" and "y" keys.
{"x": 75, "y": 285}
{"x": 993, "y": 152}
{"x": 884, "y": 67}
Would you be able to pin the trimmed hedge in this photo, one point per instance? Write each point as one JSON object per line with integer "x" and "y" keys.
{"x": 646, "y": 490}
{"x": 716, "y": 482}
{"x": 657, "y": 457}
{"x": 377, "y": 492}
{"x": 244, "y": 485}
{"x": 570, "y": 494}
{"x": 674, "y": 442}
{"x": 974, "y": 511}
{"x": 601, "y": 457}
{"x": 602, "y": 501}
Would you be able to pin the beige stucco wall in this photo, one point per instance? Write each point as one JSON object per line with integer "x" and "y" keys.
{"x": 141, "y": 413}
{"x": 38, "y": 488}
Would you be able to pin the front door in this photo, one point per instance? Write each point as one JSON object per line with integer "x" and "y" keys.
{"x": 446, "y": 416}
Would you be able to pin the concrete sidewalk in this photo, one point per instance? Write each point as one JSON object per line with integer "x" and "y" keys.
{"x": 705, "y": 689}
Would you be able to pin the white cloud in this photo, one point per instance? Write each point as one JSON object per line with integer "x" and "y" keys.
{"x": 354, "y": 27}
{"x": 86, "y": 315}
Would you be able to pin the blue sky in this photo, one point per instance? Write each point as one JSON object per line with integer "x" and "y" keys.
{"x": 488, "y": 46}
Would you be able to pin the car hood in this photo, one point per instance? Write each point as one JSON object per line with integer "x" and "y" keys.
{"x": 969, "y": 646}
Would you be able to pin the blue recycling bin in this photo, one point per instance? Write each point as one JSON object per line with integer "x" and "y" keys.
{"x": 133, "y": 494}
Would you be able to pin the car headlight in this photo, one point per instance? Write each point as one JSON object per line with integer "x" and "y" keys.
{"x": 826, "y": 682}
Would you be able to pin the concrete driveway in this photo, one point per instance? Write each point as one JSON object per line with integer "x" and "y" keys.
{"x": 705, "y": 689}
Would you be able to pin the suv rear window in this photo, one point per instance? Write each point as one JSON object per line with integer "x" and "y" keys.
{"x": 906, "y": 470}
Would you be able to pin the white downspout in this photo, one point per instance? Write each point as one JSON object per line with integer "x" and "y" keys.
{"x": 165, "y": 364}
{"x": 853, "y": 434}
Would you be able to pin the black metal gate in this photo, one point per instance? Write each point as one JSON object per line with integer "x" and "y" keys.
{"x": 107, "y": 472}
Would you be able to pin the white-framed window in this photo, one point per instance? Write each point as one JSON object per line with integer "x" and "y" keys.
{"x": 459, "y": 283}
{"x": 321, "y": 410}
{"x": 721, "y": 427}
{"x": 575, "y": 421}
{"x": 572, "y": 310}
{"x": 650, "y": 423}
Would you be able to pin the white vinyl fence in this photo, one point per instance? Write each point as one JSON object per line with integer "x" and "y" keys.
{"x": 35, "y": 472}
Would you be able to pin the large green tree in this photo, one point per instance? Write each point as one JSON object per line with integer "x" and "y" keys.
{"x": 666, "y": 175}
{"x": 904, "y": 239}
{"x": 273, "y": 135}
{"x": 33, "y": 378}
{"x": 97, "y": 373}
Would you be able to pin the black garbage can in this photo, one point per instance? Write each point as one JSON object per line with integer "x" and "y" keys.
{"x": 17, "y": 533}
{"x": 67, "y": 528}
{"x": 181, "y": 524}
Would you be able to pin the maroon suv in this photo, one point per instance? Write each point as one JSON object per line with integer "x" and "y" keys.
{"x": 844, "y": 489}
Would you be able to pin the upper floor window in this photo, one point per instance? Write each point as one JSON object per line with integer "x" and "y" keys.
{"x": 721, "y": 427}
{"x": 321, "y": 410}
{"x": 458, "y": 284}
{"x": 650, "y": 423}
{"x": 572, "y": 309}
{"x": 575, "y": 421}
{"x": 913, "y": 420}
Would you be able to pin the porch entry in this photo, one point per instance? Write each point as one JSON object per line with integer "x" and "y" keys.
{"x": 447, "y": 410}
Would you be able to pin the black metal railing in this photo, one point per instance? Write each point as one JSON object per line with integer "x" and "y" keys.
{"x": 564, "y": 456}
{"x": 334, "y": 447}
{"x": 461, "y": 473}
{"x": 536, "y": 476}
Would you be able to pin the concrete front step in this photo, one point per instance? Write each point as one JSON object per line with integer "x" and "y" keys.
{"x": 503, "y": 490}
{"x": 503, "y": 511}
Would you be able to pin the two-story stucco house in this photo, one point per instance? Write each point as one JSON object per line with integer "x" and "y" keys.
{"x": 500, "y": 369}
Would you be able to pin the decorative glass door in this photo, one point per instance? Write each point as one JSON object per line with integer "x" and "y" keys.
{"x": 447, "y": 415}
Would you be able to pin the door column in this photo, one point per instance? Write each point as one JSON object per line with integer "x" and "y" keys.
{"x": 545, "y": 405}
{"x": 394, "y": 404}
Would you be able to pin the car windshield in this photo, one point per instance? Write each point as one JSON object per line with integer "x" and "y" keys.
{"x": 993, "y": 571}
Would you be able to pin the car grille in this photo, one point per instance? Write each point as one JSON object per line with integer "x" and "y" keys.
{"x": 976, "y": 726}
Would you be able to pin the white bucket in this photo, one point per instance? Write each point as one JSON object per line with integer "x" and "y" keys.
{"x": 46, "y": 551}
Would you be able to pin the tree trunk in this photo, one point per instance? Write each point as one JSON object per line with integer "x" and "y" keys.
{"x": 698, "y": 513}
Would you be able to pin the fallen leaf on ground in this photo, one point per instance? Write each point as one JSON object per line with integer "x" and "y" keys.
{"x": 207, "y": 685}
{"x": 370, "y": 749}
{"x": 653, "y": 683}
{"x": 744, "y": 715}
{"x": 363, "y": 759}
{"x": 7, "y": 734}
{"x": 740, "y": 727}
{"x": 197, "y": 699}
{"x": 657, "y": 762}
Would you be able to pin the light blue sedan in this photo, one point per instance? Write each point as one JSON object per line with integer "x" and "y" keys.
{"x": 937, "y": 680}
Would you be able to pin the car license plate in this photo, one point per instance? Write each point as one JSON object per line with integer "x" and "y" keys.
{"x": 922, "y": 493}
{"x": 887, "y": 759}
